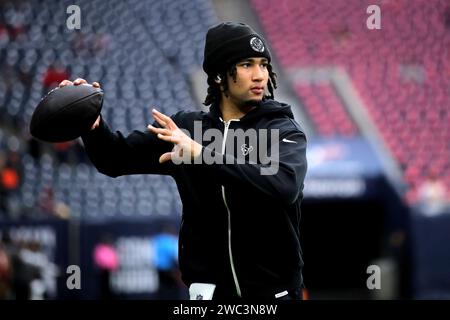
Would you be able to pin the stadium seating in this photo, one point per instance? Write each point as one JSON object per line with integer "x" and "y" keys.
{"x": 326, "y": 110}
{"x": 142, "y": 53}
{"x": 401, "y": 71}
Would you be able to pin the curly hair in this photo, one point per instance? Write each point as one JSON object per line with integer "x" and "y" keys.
{"x": 214, "y": 93}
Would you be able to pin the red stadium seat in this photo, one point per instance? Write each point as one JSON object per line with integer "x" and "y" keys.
{"x": 402, "y": 73}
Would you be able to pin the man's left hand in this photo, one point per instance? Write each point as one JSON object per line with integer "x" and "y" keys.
{"x": 171, "y": 133}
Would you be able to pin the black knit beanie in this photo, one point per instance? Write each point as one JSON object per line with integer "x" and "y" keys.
{"x": 229, "y": 42}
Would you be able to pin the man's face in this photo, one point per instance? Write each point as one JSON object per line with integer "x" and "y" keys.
{"x": 251, "y": 80}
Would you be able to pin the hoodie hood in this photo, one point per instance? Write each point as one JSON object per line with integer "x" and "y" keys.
{"x": 274, "y": 108}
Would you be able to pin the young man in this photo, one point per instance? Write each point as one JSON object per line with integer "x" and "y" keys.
{"x": 239, "y": 235}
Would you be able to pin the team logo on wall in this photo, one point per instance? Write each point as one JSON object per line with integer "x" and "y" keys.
{"x": 257, "y": 44}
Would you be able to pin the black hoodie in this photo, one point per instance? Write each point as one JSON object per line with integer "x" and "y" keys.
{"x": 240, "y": 227}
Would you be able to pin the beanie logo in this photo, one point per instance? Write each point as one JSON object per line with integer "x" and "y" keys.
{"x": 257, "y": 44}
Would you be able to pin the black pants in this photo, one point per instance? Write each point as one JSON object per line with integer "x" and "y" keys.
{"x": 295, "y": 294}
{"x": 229, "y": 294}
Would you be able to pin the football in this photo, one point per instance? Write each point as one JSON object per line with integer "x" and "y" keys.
{"x": 66, "y": 113}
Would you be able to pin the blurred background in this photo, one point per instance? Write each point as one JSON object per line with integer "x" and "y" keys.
{"x": 374, "y": 104}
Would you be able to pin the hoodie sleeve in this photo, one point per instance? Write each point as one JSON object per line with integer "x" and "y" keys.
{"x": 114, "y": 154}
{"x": 282, "y": 178}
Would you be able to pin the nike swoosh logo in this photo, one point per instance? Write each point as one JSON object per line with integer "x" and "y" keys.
{"x": 288, "y": 141}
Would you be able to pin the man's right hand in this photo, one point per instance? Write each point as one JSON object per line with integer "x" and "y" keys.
{"x": 77, "y": 82}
